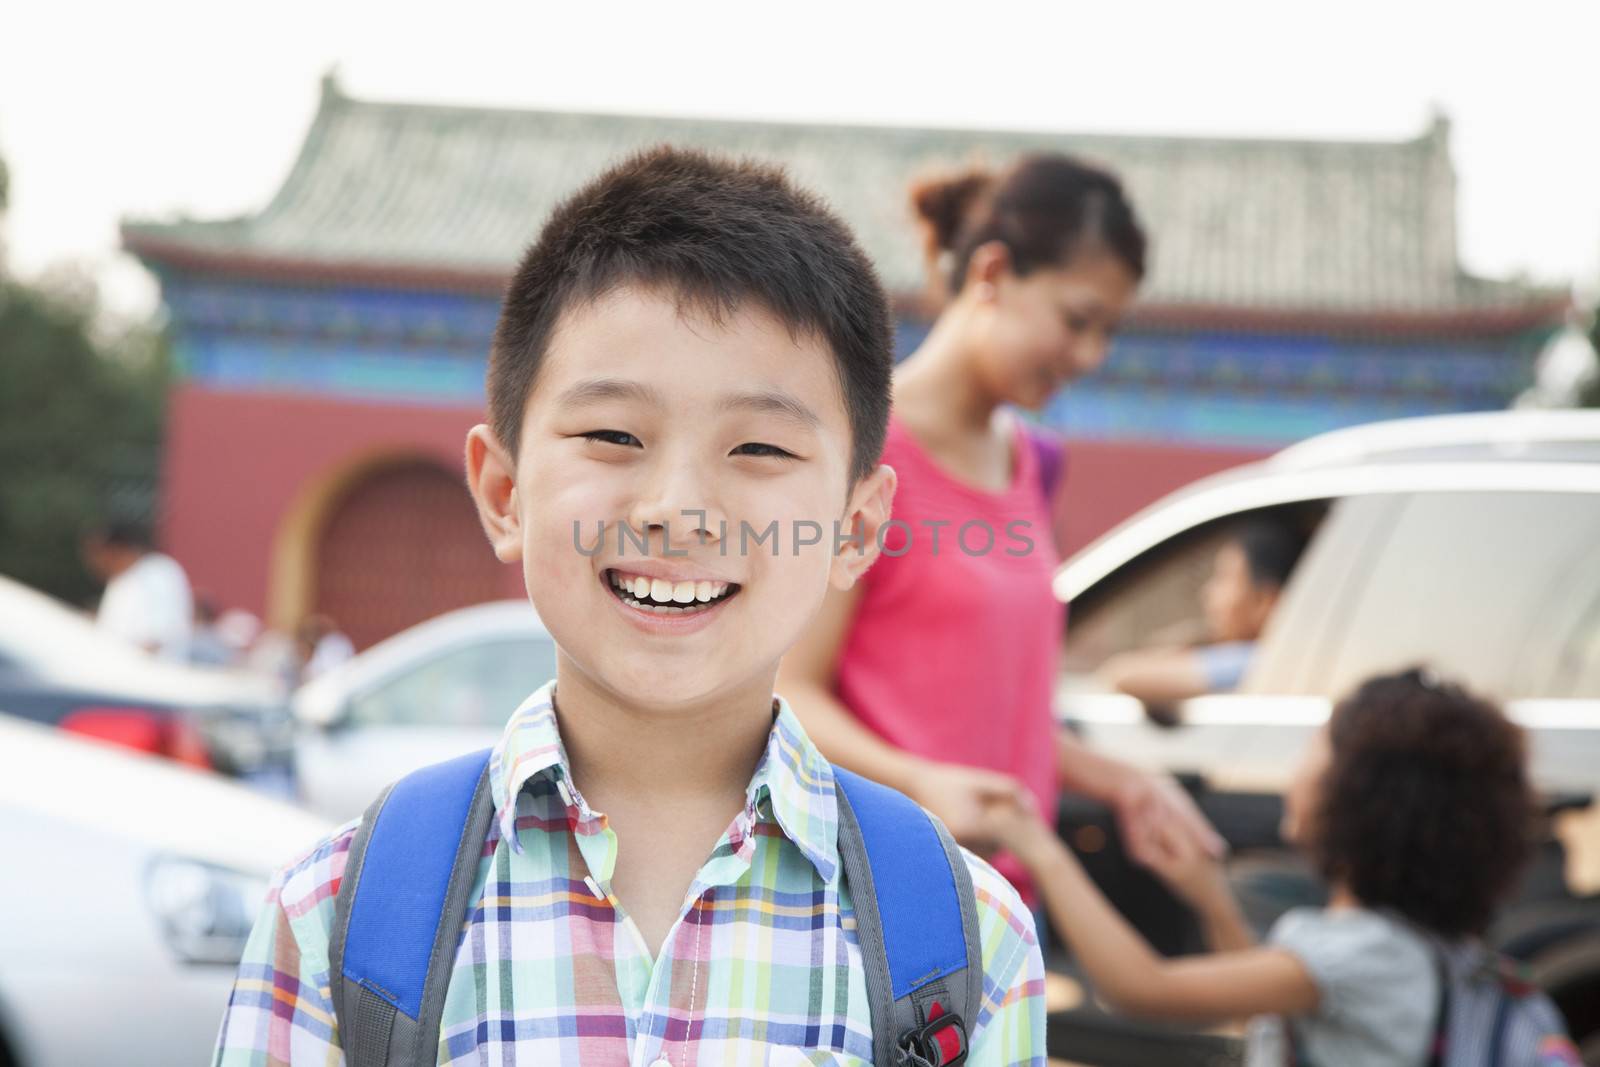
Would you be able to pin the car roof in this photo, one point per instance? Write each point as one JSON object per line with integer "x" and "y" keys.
{"x": 1501, "y": 436}
{"x": 1343, "y": 473}
{"x": 498, "y": 620}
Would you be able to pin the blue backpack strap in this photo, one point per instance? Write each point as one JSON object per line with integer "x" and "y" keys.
{"x": 400, "y": 908}
{"x": 916, "y": 922}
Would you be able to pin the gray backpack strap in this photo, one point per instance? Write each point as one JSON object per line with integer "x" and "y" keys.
{"x": 916, "y": 922}
{"x": 401, "y": 905}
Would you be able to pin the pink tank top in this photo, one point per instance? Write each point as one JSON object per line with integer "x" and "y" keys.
{"x": 952, "y": 653}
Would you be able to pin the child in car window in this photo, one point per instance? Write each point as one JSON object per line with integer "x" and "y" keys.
{"x": 1247, "y": 578}
{"x": 1414, "y": 804}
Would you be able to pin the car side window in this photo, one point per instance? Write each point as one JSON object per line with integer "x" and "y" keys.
{"x": 476, "y": 686}
{"x": 1465, "y": 584}
{"x": 1573, "y": 667}
{"x": 1156, "y": 593}
{"x": 1582, "y": 657}
{"x": 1154, "y": 599}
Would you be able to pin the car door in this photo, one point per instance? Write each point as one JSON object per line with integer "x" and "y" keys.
{"x": 454, "y": 701}
{"x": 1494, "y": 587}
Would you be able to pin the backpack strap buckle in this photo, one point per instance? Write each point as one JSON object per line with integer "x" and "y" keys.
{"x": 939, "y": 1042}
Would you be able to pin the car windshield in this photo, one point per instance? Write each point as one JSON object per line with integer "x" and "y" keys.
{"x": 475, "y": 685}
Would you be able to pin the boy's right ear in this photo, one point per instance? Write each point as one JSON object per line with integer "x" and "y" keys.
{"x": 865, "y": 516}
{"x": 492, "y": 480}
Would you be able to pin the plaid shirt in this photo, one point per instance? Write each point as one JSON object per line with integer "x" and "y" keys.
{"x": 762, "y": 966}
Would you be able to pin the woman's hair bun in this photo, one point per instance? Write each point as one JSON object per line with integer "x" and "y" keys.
{"x": 945, "y": 202}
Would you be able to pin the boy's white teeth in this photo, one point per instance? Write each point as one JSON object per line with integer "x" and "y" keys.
{"x": 657, "y": 592}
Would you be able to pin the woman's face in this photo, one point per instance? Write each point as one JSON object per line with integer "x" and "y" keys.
{"x": 1041, "y": 331}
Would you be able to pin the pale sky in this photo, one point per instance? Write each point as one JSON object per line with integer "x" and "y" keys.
{"x": 167, "y": 106}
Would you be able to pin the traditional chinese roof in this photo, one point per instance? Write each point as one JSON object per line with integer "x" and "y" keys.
{"x": 1242, "y": 229}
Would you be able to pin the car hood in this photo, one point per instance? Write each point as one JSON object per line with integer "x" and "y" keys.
{"x": 143, "y": 678}
{"x": 59, "y": 646}
{"x": 165, "y": 805}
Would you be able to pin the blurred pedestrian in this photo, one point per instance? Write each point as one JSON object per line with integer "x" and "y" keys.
{"x": 147, "y": 600}
{"x": 239, "y": 630}
{"x": 321, "y": 646}
{"x": 207, "y": 647}
{"x": 276, "y": 655}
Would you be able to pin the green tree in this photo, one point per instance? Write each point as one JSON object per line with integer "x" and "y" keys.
{"x": 80, "y": 430}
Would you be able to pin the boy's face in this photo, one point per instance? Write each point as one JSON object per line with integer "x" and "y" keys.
{"x": 1236, "y": 606}
{"x": 643, "y": 417}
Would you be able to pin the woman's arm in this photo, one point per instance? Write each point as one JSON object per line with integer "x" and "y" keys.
{"x": 1131, "y": 976}
{"x": 806, "y": 679}
{"x": 1143, "y": 802}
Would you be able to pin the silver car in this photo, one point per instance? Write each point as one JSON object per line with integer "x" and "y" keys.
{"x": 443, "y": 688}
{"x": 1470, "y": 544}
{"x": 130, "y": 884}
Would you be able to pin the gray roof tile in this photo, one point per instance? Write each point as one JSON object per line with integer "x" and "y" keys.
{"x": 1291, "y": 225}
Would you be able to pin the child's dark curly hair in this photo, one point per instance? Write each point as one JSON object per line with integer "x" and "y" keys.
{"x": 1425, "y": 806}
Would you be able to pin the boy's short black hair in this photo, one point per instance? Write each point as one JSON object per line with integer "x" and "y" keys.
{"x": 714, "y": 233}
{"x": 1271, "y": 549}
{"x": 1425, "y": 807}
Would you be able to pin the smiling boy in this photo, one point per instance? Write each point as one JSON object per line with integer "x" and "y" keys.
{"x": 694, "y": 353}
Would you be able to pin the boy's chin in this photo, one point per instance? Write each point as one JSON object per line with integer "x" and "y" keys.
{"x": 662, "y": 689}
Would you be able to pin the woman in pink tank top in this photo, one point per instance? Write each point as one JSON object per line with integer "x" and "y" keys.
{"x": 934, "y": 673}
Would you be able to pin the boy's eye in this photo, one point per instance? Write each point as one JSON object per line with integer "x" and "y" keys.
{"x": 612, "y": 437}
{"x": 756, "y": 448}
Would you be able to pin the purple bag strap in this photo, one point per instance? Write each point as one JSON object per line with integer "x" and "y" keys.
{"x": 1051, "y": 454}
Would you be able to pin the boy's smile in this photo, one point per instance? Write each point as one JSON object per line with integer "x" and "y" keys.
{"x": 661, "y": 599}
{"x": 659, "y": 445}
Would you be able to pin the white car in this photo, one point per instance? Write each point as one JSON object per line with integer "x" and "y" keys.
{"x": 442, "y": 688}
{"x": 130, "y": 884}
{"x": 1470, "y": 544}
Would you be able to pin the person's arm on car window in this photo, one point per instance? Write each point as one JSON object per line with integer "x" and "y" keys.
{"x": 1156, "y": 675}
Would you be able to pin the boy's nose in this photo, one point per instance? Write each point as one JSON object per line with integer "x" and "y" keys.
{"x": 676, "y": 532}
{"x": 676, "y": 513}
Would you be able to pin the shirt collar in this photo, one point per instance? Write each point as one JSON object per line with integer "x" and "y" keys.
{"x": 792, "y": 785}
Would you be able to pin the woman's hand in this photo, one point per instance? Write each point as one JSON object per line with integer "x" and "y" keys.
{"x": 1148, "y": 805}
{"x": 960, "y": 796}
{"x": 1187, "y": 868}
{"x": 1021, "y": 830}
